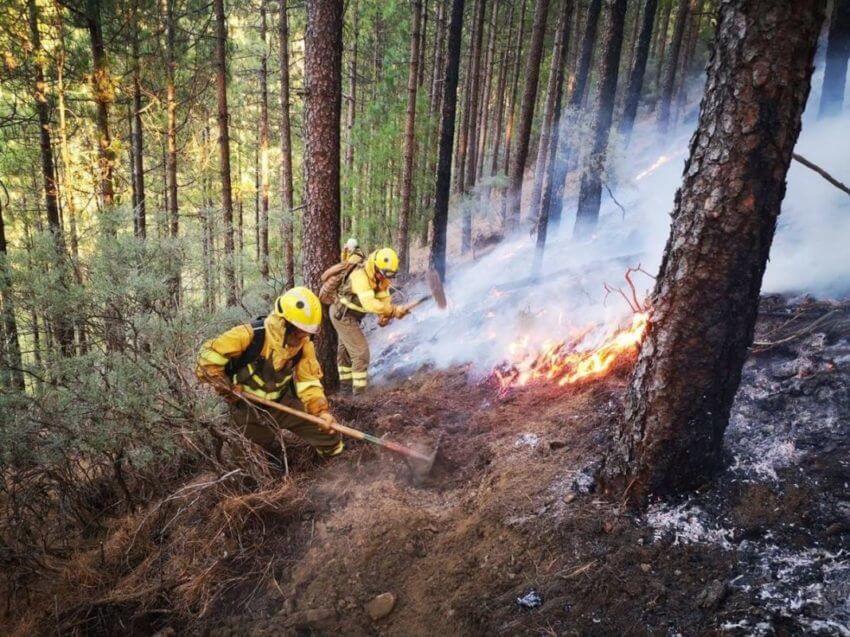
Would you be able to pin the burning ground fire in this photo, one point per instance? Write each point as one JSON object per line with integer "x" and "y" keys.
{"x": 566, "y": 362}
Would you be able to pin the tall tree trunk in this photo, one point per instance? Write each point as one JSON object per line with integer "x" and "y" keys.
{"x": 264, "y": 145}
{"x": 11, "y": 345}
{"x": 559, "y": 66}
{"x": 509, "y": 124}
{"x": 567, "y": 137}
{"x": 286, "y": 187}
{"x": 465, "y": 116}
{"x": 171, "y": 138}
{"x": 705, "y": 302}
{"x": 103, "y": 97}
{"x": 529, "y": 97}
{"x": 409, "y": 136}
{"x": 690, "y": 45}
{"x": 224, "y": 148}
{"x": 62, "y": 325}
{"x": 323, "y": 72}
{"x": 548, "y": 119}
{"x": 669, "y": 83}
{"x": 501, "y": 88}
{"x": 837, "y": 53}
{"x": 351, "y": 114}
{"x": 423, "y": 39}
{"x": 635, "y": 86}
{"x": 447, "y": 133}
{"x": 136, "y": 136}
{"x": 472, "y": 115}
{"x": 484, "y": 108}
{"x": 590, "y": 193}
{"x": 661, "y": 42}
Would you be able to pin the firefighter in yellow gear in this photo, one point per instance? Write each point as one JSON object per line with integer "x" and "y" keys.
{"x": 274, "y": 358}
{"x": 365, "y": 291}
{"x": 351, "y": 252}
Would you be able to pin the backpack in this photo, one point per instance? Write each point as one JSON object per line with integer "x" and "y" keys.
{"x": 332, "y": 279}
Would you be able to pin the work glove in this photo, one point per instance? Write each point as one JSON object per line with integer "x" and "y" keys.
{"x": 329, "y": 420}
{"x": 400, "y": 311}
{"x": 384, "y": 321}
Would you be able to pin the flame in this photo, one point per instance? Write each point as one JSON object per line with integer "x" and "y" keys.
{"x": 564, "y": 363}
{"x": 663, "y": 159}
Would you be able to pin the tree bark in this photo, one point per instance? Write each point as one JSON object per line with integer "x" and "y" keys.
{"x": 286, "y": 185}
{"x": 465, "y": 116}
{"x": 447, "y": 132}
{"x": 11, "y": 345}
{"x": 672, "y": 63}
{"x": 136, "y": 137}
{"x": 471, "y": 155}
{"x": 351, "y": 114}
{"x": 559, "y": 68}
{"x": 509, "y": 125}
{"x": 706, "y": 297}
{"x": 661, "y": 42}
{"x": 501, "y": 88}
{"x": 323, "y": 73}
{"x": 837, "y": 53}
{"x": 103, "y": 97}
{"x": 171, "y": 138}
{"x": 486, "y": 99}
{"x": 690, "y": 45}
{"x": 638, "y": 72}
{"x": 529, "y": 97}
{"x": 590, "y": 193}
{"x": 224, "y": 149}
{"x": 409, "y": 137}
{"x": 63, "y": 327}
{"x": 264, "y": 145}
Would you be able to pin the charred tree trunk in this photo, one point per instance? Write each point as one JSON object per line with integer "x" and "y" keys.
{"x": 669, "y": 83}
{"x": 286, "y": 187}
{"x": 447, "y": 133}
{"x": 635, "y": 86}
{"x": 224, "y": 148}
{"x": 63, "y": 327}
{"x": 837, "y": 53}
{"x": 409, "y": 136}
{"x": 590, "y": 193}
{"x": 559, "y": 68}
{"x": 529, "y": 97}
{"x": 470, "y": 156}
{"x": 264, "y": 145}
{"x": 706, "y": 296}
{"x": 103, "y": 97}
{"x": 570, "y": 119}
{"x": 323, "y": 74}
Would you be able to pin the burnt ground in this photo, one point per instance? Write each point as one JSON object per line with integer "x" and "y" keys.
{"x": 508, "y": 514}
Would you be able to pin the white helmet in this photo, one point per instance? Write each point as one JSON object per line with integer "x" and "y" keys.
{"x": 351, "y": 244}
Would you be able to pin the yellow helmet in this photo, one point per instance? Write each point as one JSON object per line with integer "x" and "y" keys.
{"x": 385, "y": 261}
{"x": 300, "y": 307}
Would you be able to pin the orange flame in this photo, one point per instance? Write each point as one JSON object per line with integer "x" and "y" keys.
{"x": 564, "y": 364}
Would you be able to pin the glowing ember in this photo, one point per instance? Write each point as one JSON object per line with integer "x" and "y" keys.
{"x": 564, "y": 363}
{"x": 658, "y": 164}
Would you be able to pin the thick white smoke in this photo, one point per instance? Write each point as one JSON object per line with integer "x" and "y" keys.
{"x": 496, "y": 311}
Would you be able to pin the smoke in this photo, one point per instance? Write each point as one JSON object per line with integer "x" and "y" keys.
{"x": 497, "y": 312}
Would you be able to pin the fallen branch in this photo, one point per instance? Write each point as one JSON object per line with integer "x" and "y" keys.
{"x": 795, "y": 335}
{"x": 820, "y": 171}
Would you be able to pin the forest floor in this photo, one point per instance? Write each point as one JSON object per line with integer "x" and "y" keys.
{"x": 507, "y": 535}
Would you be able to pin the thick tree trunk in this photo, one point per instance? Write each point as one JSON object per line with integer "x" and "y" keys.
{"x": 548, "y": 120}
{"x": 171, "y": 137}
{"x": 323, "y": 73}
{"x": 63, "y": 327}
{"x": 567, "y": 137}
{"x": 590, "y": 193}
{"x": 635, "y": 86}
{"x": 559, "y": 68}
{"x": 471, "y": 155}
{"x": 669, "y": 83}
{"x": 409, "y": 137}
{"x": 706, "y": 296}
{"x": 264, "y": 145}
{"x": 224, "y": 148}
{"x": 286, "y": 186}
{"x": 529, "y": 98}
{"x": 837, "y": 53}
{"x": 447, "y": 133}
{"x": 103, "y": 97}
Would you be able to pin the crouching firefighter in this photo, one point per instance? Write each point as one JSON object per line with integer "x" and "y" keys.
{"x": 274, "y": 358}
{"x": 363, "y": 288}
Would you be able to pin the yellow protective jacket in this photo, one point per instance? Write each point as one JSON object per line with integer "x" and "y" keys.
{"x": 362, "y": 293}
{"x": 275, "y": 368}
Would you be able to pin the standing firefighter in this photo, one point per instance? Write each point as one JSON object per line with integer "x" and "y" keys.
{"x": 273, "y": 358}
{"x": 361, "y": 289}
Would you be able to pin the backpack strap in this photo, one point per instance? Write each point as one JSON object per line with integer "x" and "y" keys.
{"x": 235, "y": 365}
